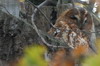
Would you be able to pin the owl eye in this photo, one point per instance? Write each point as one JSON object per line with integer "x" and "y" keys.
{"x": 73, "y": 17}
{"x": 85, "y": 21}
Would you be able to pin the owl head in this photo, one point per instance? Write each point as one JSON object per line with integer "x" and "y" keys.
{"x": 77, "y": 16}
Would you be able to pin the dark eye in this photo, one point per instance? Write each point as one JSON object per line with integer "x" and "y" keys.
{"x": 85, "y": 21}
{"x": 73, "y": 17}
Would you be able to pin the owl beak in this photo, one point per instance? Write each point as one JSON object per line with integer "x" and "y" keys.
{"x": 78, "y": 20}
{"x": 77, "y": 16}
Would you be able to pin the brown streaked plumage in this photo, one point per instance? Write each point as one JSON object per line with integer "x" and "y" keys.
{"x": 73, "y": 26}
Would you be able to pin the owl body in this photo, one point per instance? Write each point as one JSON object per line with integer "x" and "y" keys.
{"x": 74, "y": 27}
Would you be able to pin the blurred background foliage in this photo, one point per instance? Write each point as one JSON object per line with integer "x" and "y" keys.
{"x": 94, "y": 60}
{"x": 98, "y": 44}
{"x": 33, "y": 56}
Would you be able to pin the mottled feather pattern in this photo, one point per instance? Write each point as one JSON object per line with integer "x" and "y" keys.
{"x": 72, "y": 37}
{"x": 71, "y": 25}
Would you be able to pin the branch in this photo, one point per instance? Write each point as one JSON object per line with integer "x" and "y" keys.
{"x": 37, "y": 9}
{"x": 5, "y": 9}
{"x": 98, "y": 19}
{"x": 72, "y": 1}
{"x": 54, "y": 41}
{"x": 47, "y": 3}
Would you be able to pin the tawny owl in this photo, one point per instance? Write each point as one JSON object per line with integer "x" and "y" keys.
{"x": 74, "y": 26}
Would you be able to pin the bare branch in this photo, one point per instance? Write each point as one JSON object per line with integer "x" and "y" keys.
{"x": 96, "y": 17}
{"x": 5, "y": 9}
{"x": 33, "y": 15}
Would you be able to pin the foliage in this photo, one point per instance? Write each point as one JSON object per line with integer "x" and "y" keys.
{"x": 33, "y": 57}
{"x": 94, "y": 60}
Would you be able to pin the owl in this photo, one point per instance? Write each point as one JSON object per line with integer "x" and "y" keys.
{"x": 75, "y": 27}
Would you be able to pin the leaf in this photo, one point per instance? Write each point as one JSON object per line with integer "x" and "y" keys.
{"x": 33, "y": 57}
{"x": 94, "y": 60}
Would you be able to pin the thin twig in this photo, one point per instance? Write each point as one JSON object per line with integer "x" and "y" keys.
{"x": 41, "y": 13}
{"x": 96, "y": 17}
{"x": 72, "y": 1}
